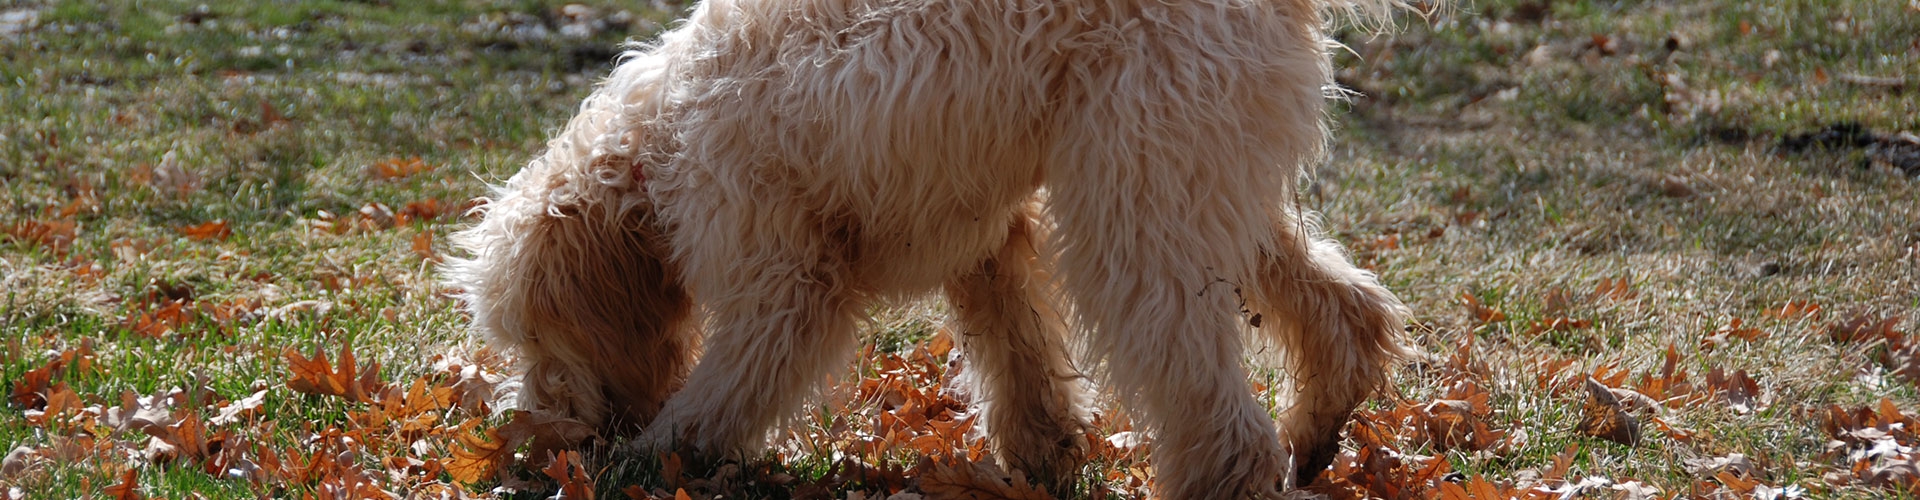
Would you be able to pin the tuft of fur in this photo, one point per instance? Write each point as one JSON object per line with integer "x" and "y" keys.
{"x": 741, "y": 190}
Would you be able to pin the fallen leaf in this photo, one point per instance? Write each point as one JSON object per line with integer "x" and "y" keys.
{"x": 138, "y": 414}
{"x": 1614, "y": 289}
{"x": 1795, "y": 309}
{"x": 1605, "y": 418}
{"x": 1864, "y": 328}
{"x": 158, "y": 322}
{"x": 1737, "y": 389}
{"x": 128, "y": 488}
{"x": 974, "y": 480}
{"x": 316, "y": 376}
{"x": 423, "y": 246}
{"x": 216, "y": 230}
{"x": 423, "y": 210}
{"x": 1480, "y": 311}
{"x": 396, "y": 168}
{"x": 30, "y": 390}
{"x": 16, "y": 462}
{"x": 486, "y": 455}
{"x": 238, "y": 411}
{"x": 56, "y": 235}
{"x": 567, "y": 470}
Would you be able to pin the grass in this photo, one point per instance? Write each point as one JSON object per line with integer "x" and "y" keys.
{"x": 1522, "y": 153}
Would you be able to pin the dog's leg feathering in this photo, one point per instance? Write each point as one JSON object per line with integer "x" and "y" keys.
{"x": 1338, "y": 330}
{"x": 1016, "y": 361}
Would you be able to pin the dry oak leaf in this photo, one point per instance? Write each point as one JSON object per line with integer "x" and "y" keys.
{"x": 1864, "y": 328}
{"x": 184, "y": 440}
{"x": 487, "y": 454}
{"x": 129, "y": 487}
{"x": 1614, "y": 288}
{"x": 59, "y": 401}
{"x": 316, "y": 376}
{"x": 572, "y": 476}
{"x": 1605, "y": 418}
{"x": 1795, "y": 309}
{"x": 17, "y": 461}
{"x": 55, "y": 234}
{"x": 165, "y": 319}
{"x": 30, "y": 390}
{"x": 1736, "y": 389}
{"x": 974, "y": 480}
{"x": 1454, "y": 424}
{"x": 396, "y": 168}
{"x": 215, "y": 230}
{"x": 238, "y": 411}
{"x": 1476, "y": 488}
{"x": 1481, "y": 312}
{"x": 138, "y": 414}
{"x": 423, "y": 246}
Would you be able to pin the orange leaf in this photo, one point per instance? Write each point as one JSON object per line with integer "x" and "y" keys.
{"x": 486, "y": 455}
{"x": 423, "y": 246}
{"x": 966, "y": 479}
{"x": 56, "y": 235}
{"x": 1615, "y": 289}
{"x": 129, "y": 487}
{"x": 572, "y": 476}
{"x": 61, "y": 400}
{"x": 480, "y": 456}
{"x": 1736, "y": 329}
{"x": 1864, "y": 328}
{"x": 1605, "y": 418}
{"x": 314, "y": 376}
{"x": 1795, "y": 310}
{"x": 157, "y": 323}
{"x": 396, "y": 168}
{"x": 1738, "y": 484}
{"x": 216, "y": 230}
{"x": 423, "y": 210}
{"x": 1737, "y": 389}
{"x": 1562, "y": 463}
{"x": 1480, "y": 311}
{"x": 672, "y": 469}
{"x": 30, "y": 390}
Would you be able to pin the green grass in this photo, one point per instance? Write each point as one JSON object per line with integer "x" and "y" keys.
{"x": 1516, "y": 151}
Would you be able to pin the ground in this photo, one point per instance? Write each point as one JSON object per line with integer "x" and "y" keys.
{"x": 1653, "y": 248}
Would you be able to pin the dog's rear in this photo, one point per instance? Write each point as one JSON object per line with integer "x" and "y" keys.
{"x": 786, "y": 163}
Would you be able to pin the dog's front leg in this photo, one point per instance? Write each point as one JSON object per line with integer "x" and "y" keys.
{"x": 1017, "y": 367}
{"x": 782, "y": 317}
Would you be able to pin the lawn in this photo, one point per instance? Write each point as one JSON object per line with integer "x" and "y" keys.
{"x": 1654, "y": 249}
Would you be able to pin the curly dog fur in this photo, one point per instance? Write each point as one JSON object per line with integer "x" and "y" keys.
{"x": 696, "y": 248}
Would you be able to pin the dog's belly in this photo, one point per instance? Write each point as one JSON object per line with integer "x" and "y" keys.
{"x": 901, "y": 131}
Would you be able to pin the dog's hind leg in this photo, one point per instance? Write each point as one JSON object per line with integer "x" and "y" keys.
{"x": 1165, "y": 183}
{"x": 1016, "y": 362}
{"x": 1338, "y": 330}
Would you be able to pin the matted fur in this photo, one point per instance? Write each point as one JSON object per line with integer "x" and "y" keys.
{"x": 740, "y": 191}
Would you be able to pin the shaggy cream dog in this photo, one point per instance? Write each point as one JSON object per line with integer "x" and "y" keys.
{"x": 696, "y": 249}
